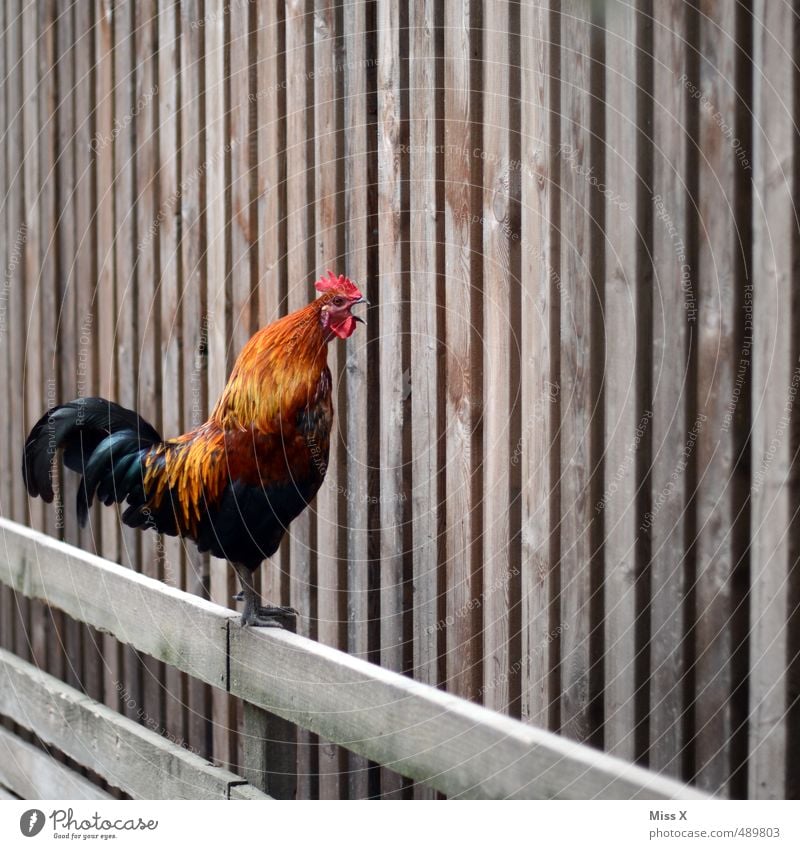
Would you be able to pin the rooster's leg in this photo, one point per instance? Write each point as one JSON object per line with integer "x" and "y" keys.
{"x": 254, "y": 612}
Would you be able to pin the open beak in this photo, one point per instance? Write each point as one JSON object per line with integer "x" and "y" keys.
{"x": 355, "y": 304}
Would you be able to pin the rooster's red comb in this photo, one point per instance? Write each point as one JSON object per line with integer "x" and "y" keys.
{"x": 341, "y": 284}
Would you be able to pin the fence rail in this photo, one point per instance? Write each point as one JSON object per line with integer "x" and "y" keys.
{"x": 135, "y": 759}
{"x": 452, "y": 745}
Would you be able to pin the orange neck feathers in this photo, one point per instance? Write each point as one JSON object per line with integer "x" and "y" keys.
{"x": 276, "y": 373}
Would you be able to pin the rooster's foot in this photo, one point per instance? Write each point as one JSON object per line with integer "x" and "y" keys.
{"x": 256, "y": 621}
{"x": 271, "y": 617}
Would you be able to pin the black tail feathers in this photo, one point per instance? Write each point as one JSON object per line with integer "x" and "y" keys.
{"x": 101, "y": 441}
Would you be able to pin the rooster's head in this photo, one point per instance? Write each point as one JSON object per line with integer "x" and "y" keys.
{"x": 339, "y": 296}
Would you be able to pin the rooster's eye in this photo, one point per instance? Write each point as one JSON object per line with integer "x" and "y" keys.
{"x": 338, "y": 301}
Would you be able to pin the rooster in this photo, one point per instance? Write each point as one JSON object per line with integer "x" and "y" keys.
{"x": 234, "y": 483}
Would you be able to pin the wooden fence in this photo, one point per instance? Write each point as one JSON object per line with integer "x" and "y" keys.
{"x": 562, "y": 482}
{"x": 450, "y": 744}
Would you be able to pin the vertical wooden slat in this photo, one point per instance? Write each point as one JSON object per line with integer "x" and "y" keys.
{"x": 16, "y": 247}
{"x": 538, "y": 447}
{"x": 776, "y": 249}
{"x": 217, "y": 169}
{"x": 723, "y": 373}
{"x": 270, "y": 209}
{"x": 30, "y": 265}
{"x": 424, "y": 271}
{"x": 32, "y": 375}
{"x": 581, "y": 354}
{"x": 48, "y": 215}
{"x": 328, "y": 227}
{"x": 390, "y": 307}
{"x": 674, "y": 320}
{"x": 242, "y": 212}
{"x": 6, "y": 596}
{"x": 86, "y": 282}
{"x": 147, "y": 379}
{"x": 270, "y": 153}
{"x": 125, "y": 346}
{"x": 497, "y": 225}
{"x": 169, "y": 291}
{"x": 299, "y": 214}
{"x": 193, "y": 307}
{"x": 462, "y": 385}
{"x": 625, "y": 425}
{"x": 299, "y": 177}
{"x": 67, "y": 295}
{"x": 105, "y": 300}
{"x": 359, "y": 179}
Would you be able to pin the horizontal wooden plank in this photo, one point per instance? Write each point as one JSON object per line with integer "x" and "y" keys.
{"x": 33, "y": 774}
{"x": 454, "y": 746}
{"x": 184, "y": 631}
{"x": 130, "y": 756}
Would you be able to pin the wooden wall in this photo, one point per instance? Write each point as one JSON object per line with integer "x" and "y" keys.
{"x": 563, "y": 481}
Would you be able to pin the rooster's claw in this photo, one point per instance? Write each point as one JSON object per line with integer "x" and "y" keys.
{"x": 272, "y": 617}
{"x": 263, "y": 622}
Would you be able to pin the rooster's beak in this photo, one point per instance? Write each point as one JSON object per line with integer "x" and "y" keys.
{"x": 361, "y": 300}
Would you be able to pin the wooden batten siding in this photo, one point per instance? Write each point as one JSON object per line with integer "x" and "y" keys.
{"x": 563, "y": 459}
{"x": 773, "y": 649}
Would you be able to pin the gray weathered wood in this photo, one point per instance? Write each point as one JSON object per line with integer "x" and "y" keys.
{"x": 674, "y": 320}
{"x": 775, "y": 384}
{"x": 148, "y": 331}
{"x": 392, "y": 400}
{"x": 270, "y": 211}
{"x": 300, "y": 181}
{"x": 6, "y": 596}
{"x": 454, "y": 746}
{"x": 156, "y": 619}
{"x": 168, "y": 291}
{"x": 86, "y": 352}
{"x": 270, "y": 752}
{"x": 462, "y": 384}
{"x": 331, "y": 610}
{"x": 33, "y": 259}
{"x": 133, "y": 757}
{"x": 538, "y": 448}
{"x": 625, "y": 427}
{"x": 359, "y": 202}
{"x": 422, "y": 384}
{"x": 125, "y": 345}
{"x": 33, "y": 774}
{"x": 723, "y": 364}
{"x": 194, "y": 316}
{"x": 495, "y": 599}
{"x": 581, "y": 351}
{"x": 14, "y": 287}
{"x": 105, "y": 303}
{"x": 216, "y": 167}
